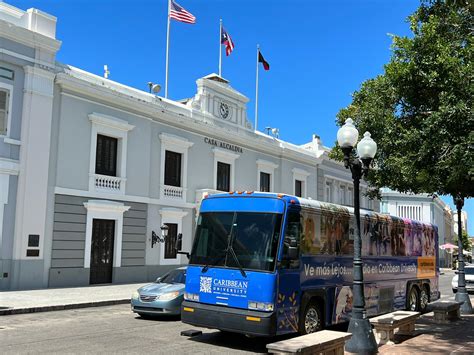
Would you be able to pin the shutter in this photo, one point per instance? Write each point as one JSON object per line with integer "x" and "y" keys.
{"x": 170, "y": 242}
{"x": 106, "y": 155}
{"x": 172, "y": 168}
{"x": 223, "y": 176}
{"x": 3, "y": 110}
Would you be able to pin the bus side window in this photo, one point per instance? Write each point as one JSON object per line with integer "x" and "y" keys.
{"x": 293, "y": 231}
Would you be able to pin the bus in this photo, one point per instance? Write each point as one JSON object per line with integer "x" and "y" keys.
{"x": 266, "y": 264}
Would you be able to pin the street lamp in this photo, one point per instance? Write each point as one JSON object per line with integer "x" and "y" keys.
{"x": 461, "y": 295}
{"x": 362, "y": 340}
{"x": 156, "y": 238}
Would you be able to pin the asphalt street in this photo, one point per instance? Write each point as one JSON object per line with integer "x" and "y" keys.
{"x": 115, "y": 329}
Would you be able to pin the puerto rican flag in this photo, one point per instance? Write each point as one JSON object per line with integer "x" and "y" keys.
{"x": 227, "y": 41}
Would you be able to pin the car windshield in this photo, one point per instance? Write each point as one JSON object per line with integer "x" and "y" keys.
{"x": 177, "y": 276}
{"x": 252, "y": 236}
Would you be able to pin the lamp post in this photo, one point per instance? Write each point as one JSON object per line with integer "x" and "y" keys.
{"x": 461, "y": 295}
{"x": 362, "y": 340}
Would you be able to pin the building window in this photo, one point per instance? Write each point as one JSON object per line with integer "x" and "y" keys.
{"x": 106, "y": 155}
{"x": 342, "y": 195}
{"x": 224, "y": 169}
{"x": 223, "y": 176}
{"x": 350, "y": 196}
{"x": 299, "y": 182}
{"x": 265, "y": 182}
{"x": 170, "y": 250}
{"x": 174, "y": 165}
{"x": 4, "y": 109}
{"x": 265, "y": 175}
{"x": 172, "y": 168}
{"x": 298, "y": 188}
{"x": 328, "y": 191}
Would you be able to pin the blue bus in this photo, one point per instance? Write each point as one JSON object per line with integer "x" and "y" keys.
{"x": 266, "y": 264}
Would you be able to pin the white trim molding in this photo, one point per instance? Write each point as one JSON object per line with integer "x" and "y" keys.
{"x": 300, "y": 175}
{"x": 268, "y": 167}
{"x": 116, "y": 128}
{"x": 103, "y": 209}
{"x": 170, "y": 142}
{"x": 171, "y": 215}
{"x": 223, "y": 156}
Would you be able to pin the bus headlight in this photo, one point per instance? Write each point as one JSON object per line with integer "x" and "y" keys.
{"x": 191, "y": 297}
{"x": 260, "y": 306}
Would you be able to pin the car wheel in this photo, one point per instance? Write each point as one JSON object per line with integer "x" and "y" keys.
{"x": 413, "y": 300}
{"x": 424, "y": 299}
{"x": 311, "y": 321}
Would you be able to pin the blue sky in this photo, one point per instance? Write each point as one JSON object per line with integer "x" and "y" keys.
{"x": 319, "y": 51}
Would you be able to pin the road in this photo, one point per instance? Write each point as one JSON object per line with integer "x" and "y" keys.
{"x": 115, "y": 329}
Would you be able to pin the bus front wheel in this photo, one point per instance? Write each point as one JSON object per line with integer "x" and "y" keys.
{"x": 312, "y": 320}
{"x": 413, "y": 301}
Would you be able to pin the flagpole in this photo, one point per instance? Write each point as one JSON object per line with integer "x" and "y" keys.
{"x": 167, "y": 50}
{"x": 220, "y": 48}
{"x": 256, "y": 93}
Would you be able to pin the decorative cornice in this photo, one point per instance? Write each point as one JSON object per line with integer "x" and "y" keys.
{"x": 300, "y": 172}
{"x": 172, "y": 212}
{"x": 225, "y": 154}
{"x": 106, "y": 206}
{"x": 267, "y": 164}
{"x": 176, "y": 140}
{"x": 109, "y": 121}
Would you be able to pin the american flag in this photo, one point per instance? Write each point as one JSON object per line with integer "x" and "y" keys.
{"x": 227, "y": 41}
{"x": 180, "y": 14}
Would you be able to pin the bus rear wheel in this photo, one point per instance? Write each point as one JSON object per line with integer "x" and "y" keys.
{"x": 312, "y": 320}
{"x": 413, "y": 300}
{"x": 424, "y": 298}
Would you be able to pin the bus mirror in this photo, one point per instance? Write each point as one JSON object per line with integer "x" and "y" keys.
{"x": 179, "y": 242}
{"x": 292, "y": 253}
{"x": 291, "y": 248}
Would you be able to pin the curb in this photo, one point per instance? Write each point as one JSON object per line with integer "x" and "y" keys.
{"x": 11, "y": 311}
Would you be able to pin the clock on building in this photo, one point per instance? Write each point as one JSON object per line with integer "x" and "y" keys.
{"x": 224, "y": 110}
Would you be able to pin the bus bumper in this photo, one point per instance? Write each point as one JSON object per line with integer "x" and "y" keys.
{"x": 229, "y": 319}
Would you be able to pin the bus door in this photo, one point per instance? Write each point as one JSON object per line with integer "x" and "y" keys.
{"x": 289, "y": 287}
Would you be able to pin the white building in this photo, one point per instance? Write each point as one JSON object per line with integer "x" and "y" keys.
{"x": 90, "y": 168}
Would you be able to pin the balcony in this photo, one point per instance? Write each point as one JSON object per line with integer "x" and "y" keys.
{"x": 108, "y": 184}
{"x": 173, "y": 193}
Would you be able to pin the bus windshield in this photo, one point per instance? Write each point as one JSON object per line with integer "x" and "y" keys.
{"x": 252, "y": 236}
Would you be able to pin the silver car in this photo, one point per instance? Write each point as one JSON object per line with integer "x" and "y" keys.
{"x": 469, "y": 275}
{"x": 164, "y": 296}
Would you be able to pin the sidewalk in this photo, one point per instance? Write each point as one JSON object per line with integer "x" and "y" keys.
{"x": 430, "y": 337}
{"x": 53, "y": 299}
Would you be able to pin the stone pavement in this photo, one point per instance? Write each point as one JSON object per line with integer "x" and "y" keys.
{"x": 53, "y": 299}
{"x": 431, "y": 337}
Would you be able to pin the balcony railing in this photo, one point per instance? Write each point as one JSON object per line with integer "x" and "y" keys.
{"x": 172, "y": 192}
{"x": 110, "y": 184}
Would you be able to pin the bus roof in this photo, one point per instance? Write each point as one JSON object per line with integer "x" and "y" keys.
{"x": 309, "y": 203}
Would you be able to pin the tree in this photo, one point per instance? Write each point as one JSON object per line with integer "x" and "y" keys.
{"x": 466, "y": 243}
{"x": 419, "y": 111}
